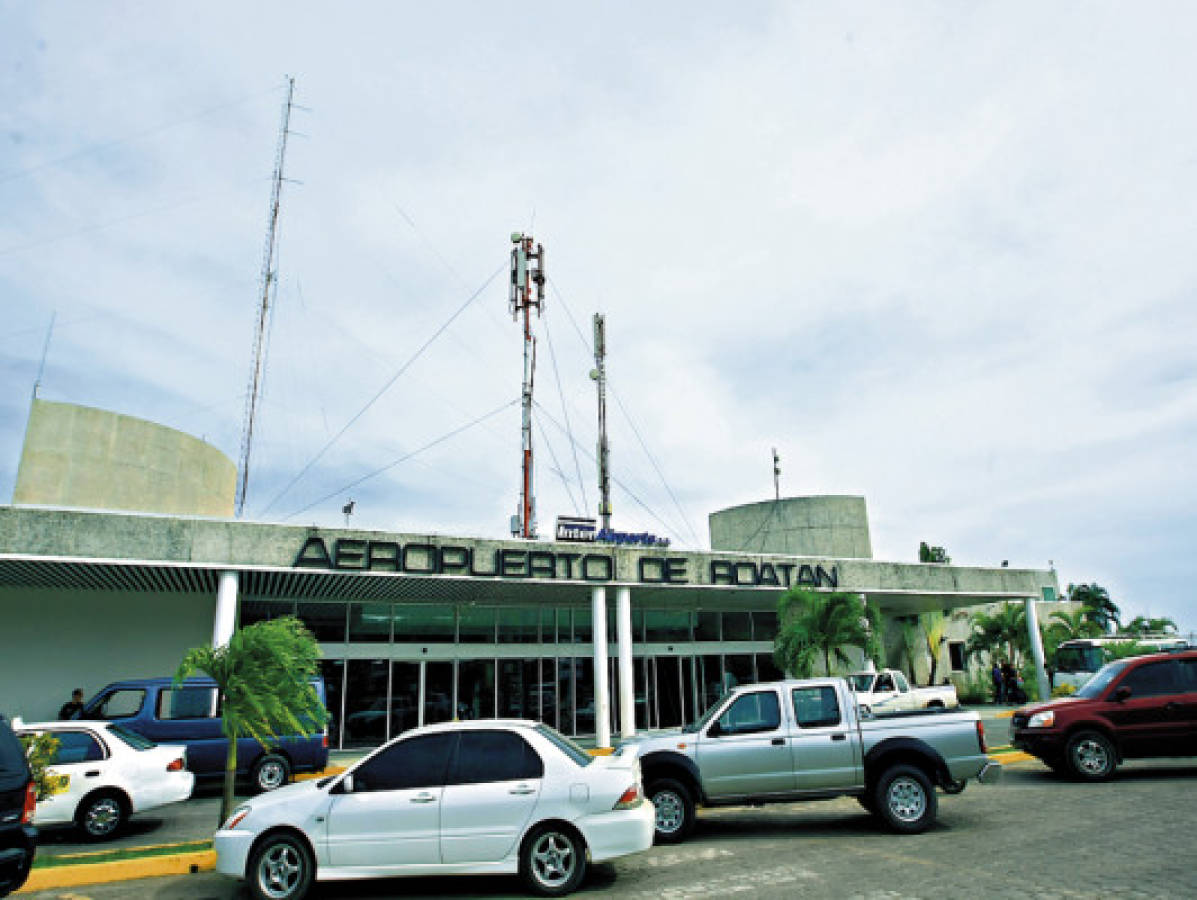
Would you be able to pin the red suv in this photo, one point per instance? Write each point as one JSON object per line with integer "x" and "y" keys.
{"x": 1132, "y": 708}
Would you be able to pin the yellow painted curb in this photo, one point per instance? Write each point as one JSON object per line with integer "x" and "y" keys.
{"x": 1005, "y": 714}
{"x": 56, "y": 877}
{"x": 1016, "y": 756}
{"x": 312, "y": 776}
{"x": 601, "y": 751}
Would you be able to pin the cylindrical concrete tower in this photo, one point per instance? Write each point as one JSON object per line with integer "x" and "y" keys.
{"x": 836, "y": 526}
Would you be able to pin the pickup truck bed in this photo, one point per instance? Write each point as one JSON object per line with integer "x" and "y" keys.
{"x": 804, "y": 740}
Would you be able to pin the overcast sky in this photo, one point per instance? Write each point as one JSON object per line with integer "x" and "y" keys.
{"x": 938, "y": 254}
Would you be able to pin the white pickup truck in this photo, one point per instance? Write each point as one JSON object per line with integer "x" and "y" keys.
{"x": 888, "y": 691}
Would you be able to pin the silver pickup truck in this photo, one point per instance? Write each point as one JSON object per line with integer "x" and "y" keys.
{"x": 804, "y": 740}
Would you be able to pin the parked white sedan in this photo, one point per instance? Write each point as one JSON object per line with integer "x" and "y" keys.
{"x": 478, "y": 798}
{"x": 102, "y": 773}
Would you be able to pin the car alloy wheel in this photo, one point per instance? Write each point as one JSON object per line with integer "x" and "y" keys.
{"x": 1091, "y": 756}
{"x": 906, "y": 799}
{"x": 671, "y": 811}
{"x": 103, "y": 817}
{"x": 281, "y": 871}
{"x": 553, "y": 859}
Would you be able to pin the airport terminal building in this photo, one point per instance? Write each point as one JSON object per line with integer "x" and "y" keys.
{"x": 595, "y": 638}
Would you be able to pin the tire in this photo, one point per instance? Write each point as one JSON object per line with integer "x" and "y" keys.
{"x": 102, "y": 815}
{"x": 674, "y": 810}
{"x": 1091, "y": 756}
{"x": 280, "y": 868}
{"x": 552, "y": 861}
{"x": 955, "y": 787}
{"x": 866, "y": 801}
{"x": 269, "y": 773}
{"x": 905, "y": 799}
{"x": 935, "y": 704}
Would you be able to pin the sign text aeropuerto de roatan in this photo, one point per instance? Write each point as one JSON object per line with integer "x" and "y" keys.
{"x": 353, "y": 555}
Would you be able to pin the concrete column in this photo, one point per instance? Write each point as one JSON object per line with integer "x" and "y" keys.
{"x": 225, "y": 620}
{"x": 602, "y": 692}
{"x": 1036, "y": 642}
{"x": 627, "y": 683}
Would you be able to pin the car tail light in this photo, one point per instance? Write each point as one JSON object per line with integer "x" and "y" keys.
{"x": 175, "y": 765}
{"x": 981, "y": 736}
{"x": 30, "y": 804}
{"x": 324, "y": 740}
{"x": 629, "y": 799}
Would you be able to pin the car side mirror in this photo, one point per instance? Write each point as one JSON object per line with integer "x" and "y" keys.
{"x": 716, "y": 730}
{"x": 1122, "y": 692}
{"x": 345, "y": 786}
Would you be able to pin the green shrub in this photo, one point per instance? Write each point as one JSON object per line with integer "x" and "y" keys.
{"x": 1063, "y": 690}
{"x": 39, "y": 750}
{"x": 976, "y": 687}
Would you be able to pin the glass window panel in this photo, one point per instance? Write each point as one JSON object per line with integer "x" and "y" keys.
{"x": 565, "y": 694}
{"x": 669, "y": 692}
{"x": 324, "y": 620}
{"x": 764, "y": 625}
{"x": 816, "y": 707}
{"x": 548, "y": 625}
{"x": 366, "y": 702}
{"x": 546, "y": 693}
{"x": 643, "y": 709}
{"x": 119, "y": 704}
{"x": 583, "y": 633}
{"x": 766, "y": 668}
{"x": 711, "y": 668}
{"x": 424, "y": 624}
{"x": 752, "y": 713}
{"x": 476, "y": 625}
{"x": 187, "y": 703}
{"x": 416, "y": 763}
{"x": 405, "y": 697}
{"x": 370, "y": 622}
{"x": 476, "y": 689}
{"x": 519, "y": 697}
{"x": 736, "y": 626}
{"x": 438, "y": 692}
{"x": 75, "y": 747}
{"x": 707, "y": 627}
{"x": 519, "y": 625}
{"x": 689, "y": 690}
{"x": 737, "y": 670}
{"x": 333, "y": 673}
{"x": 667, "y": 626}
{"x": 485, "y": 757}
{"x": 584, "y": 695}
{"x": 253, "y": 611}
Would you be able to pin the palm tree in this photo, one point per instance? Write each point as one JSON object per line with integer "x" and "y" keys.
{"x": 1006, "y": 628}
{"x": 264, "y": 677}
{"x": 1141, "y": 625}
{"x": 812, "y": 624}
{"x": 908, "y": 638}
{"x": 1068, "y": 626}
{"x": 1096, "y": 600}
{"x": 935, "y": 631}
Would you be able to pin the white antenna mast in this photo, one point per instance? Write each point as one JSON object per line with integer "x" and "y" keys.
{"x": 599, "y": 375}
{"x": 269, "y": 280}
{"x": 524, "y": 276}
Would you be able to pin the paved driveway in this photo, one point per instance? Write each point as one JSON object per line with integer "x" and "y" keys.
{"x": 1029, "y": 836}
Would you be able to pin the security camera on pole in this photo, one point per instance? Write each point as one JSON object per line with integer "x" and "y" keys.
{"x": 527, "y": 271}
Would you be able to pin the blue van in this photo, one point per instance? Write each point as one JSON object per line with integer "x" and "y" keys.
{"x": 190, "y": 714}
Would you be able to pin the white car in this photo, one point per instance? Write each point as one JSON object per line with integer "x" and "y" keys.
{"x": 102, "y": 773}
{"x": 888, "y": 691}
{"x": 482, "y": 797}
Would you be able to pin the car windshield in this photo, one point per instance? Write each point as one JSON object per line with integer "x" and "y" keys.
{"x": 699, "y": 724}
{"x": 132, "y": 738}
{"x": 861, "y": 682}
{"x": 1099, "y": 682}
{"x": 565, "y": 745}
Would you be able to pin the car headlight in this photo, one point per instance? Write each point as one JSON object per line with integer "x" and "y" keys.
{"x": 1042, "y": 720}
{"x": 236, "y": 818}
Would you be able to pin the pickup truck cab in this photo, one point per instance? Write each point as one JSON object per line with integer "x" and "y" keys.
{"x": 805, "y": 740}
{"x": 888, "y": 691}
{"x": 190, "y": 715}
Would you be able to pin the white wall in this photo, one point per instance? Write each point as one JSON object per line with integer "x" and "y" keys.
{"x": 54, "y": 641}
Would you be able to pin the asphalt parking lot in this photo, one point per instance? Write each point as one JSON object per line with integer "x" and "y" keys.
{"x": 1030, "y": 835}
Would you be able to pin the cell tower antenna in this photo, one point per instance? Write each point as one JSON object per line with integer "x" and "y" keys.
{"x": 527, "y": 293}
{"x": 268, "y": 284}
{"x": 776, "y": 475}
{"x": 599, "y": 375}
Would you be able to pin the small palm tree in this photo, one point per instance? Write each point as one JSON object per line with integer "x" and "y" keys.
{"x": 264, "y": 677}
{"x": 935, "y": 631}
{"x": 812, "y": 624}
{"x": 1069, "y": 626}
{"x": 1097, "y": 602}
{"x": 1004, "y": 629}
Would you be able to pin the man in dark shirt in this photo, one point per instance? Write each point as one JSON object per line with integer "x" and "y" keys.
{"x": 72, "y": 706}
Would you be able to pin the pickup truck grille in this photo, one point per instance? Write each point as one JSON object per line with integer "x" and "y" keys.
{"x": 1019, "y": 720}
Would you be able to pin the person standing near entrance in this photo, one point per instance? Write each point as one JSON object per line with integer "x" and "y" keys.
{"x": 72, "y": 706}
{"x": 996, "y": 674}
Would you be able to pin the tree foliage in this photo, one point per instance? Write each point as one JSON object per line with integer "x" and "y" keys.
{"x": 1096, "y": 600}
{"x": 813, "y": 625}
{"x": 928, "y": 554}
{"x": 1001, "y": 632}
{"x": 1141, "y": 625}
{"x": 39, "y": 750}
{"x": 935, "y": 633}
{"x": 264, "y": 678}
{"x": 1069, "y": 626}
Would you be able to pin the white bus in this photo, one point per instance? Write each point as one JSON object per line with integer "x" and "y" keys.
{"x": 1078, "y": 660}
